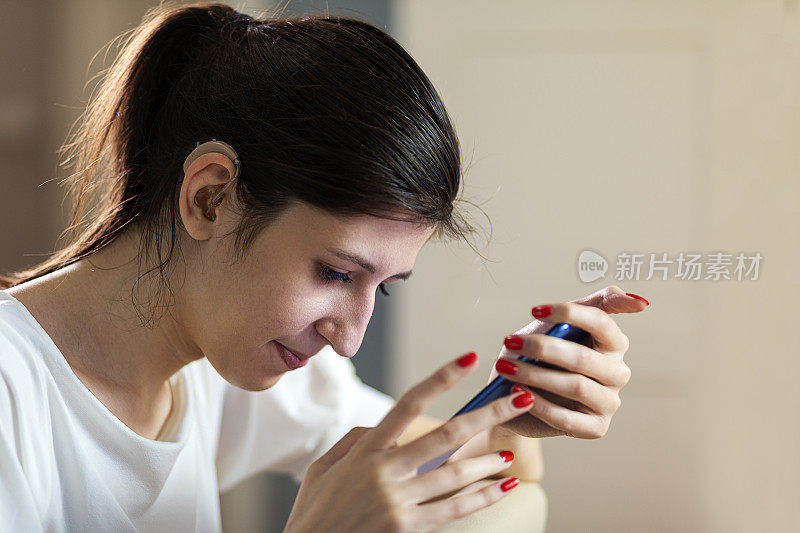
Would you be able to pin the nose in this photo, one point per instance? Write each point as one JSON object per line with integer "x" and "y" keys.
{"x": 344, "y": 326}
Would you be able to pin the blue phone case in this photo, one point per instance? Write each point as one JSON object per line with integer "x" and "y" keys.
{"x": 500, "y": 386}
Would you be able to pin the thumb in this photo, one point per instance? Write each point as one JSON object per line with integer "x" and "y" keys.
{"x": 612, "y": 299}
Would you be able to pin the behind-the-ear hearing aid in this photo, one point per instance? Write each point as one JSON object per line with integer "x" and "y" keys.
{"x": 216, "y": 192}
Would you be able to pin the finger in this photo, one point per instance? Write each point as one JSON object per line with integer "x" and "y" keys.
{"x": 437, "y": 514}
{"x": 474, "y": 487}
{"x": 571, "y": 356}
{"x": 574, "y": 386}
{"x": 604, "y": 331}
{"x": 339, "y": 449}
{"x": 454, "y": 476}
{"x": 571, "y": 423}
{"x": 414, "y": 402}
{"x": 612, "y": 299}
{"x": 459, "y": 430}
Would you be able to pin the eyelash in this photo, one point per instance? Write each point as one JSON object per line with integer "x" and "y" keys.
{"x": 328, "y": 274}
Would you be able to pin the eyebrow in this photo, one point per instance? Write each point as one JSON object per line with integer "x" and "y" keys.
{"x": 363, "y": 263}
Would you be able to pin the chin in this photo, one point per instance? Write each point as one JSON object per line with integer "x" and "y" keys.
{"x": 254, "y": 372}
{"x": 250, "y": 377}
{"x": 253, "y": 381}
{"x": 262, "y": 384}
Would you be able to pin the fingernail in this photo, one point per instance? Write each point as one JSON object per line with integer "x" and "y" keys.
{"x": 523, "y": 400}
{"x": 467, "y": 360}
{"x": 505, "y": 366}
{"x": 517, "y": 388}
{"x": 513, "y": 342}
{"x": 507, "y": 456}
{"x": 541, "y": 311}
{"x": 637, "y": 297}
{"x": 510, "y": 484}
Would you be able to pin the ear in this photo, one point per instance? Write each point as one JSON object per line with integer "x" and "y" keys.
{"x": 204, "y": 178}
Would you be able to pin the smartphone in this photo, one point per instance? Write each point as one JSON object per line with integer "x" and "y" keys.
{"x": 501, "y": 386}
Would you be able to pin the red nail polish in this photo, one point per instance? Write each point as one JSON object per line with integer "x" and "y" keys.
{"x": 467, "y": 360}
{"x": 505, "y": 366}
{"x": 513, "y": 342}
{"x": 510, "y": 484}
{"x": 541, "y": 311}
{"x": 517, "y": 388}
{"x": 507, "y": 456}
{"x": 637, "y": 297}
{"x": 523, "y": 400}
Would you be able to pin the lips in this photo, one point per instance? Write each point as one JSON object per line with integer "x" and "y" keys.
{"x": 299, "y": 355}
{"x": 292, "y": 361}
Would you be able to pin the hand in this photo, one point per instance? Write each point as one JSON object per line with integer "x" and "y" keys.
{"x": 581, "y": 401}
{"x": 367, "y": 483}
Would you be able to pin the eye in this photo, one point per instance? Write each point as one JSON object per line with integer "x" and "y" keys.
{"x": 327, "y": 274}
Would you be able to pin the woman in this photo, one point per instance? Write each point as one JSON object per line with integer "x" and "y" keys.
{"x": 243, "y": 188}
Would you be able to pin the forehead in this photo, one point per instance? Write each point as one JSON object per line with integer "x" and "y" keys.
{"x": 380, "y": 239}
{"x": 320, "y": 221}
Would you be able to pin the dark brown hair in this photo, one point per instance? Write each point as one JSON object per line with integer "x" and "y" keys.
{"x": 321, "y": 109}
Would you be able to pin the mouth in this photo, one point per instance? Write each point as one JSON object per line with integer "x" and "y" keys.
{"x": 299, "y": 355}
{"x": 291, "y": 359}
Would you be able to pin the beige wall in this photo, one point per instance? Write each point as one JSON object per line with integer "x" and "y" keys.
{"x": 651, "y": 126}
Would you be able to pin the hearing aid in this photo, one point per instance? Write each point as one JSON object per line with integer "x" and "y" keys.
{"x": 210, "y": 197}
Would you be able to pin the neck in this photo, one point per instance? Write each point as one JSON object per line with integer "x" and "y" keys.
{"x": 87, "y": 310}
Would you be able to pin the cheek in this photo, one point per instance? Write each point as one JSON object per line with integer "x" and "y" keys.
{"x": 283, "y": 309}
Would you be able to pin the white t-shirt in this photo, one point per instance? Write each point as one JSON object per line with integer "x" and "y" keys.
{"x": 68, "y": 464}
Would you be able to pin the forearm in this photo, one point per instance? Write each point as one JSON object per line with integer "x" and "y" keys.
{"x": 528, "y": 462}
